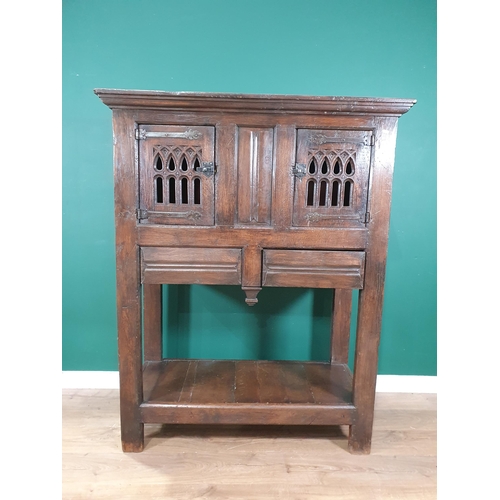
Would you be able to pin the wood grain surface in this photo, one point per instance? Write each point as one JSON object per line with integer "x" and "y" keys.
{"x": 248, "y": 462}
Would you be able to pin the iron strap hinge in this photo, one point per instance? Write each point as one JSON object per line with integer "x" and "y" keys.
{"x": 189, "y": 134}
{"x": 319, "y": 139}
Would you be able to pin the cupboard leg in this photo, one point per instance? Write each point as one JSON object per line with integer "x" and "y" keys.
{"x": 152, "y": 298}
{"x": 365, "y": 368}
{"x": 360, "y": 437}
{"x": 132, "y": 437}
{"x": 341, "y": 325}
{"x": 130, "y": 366}
{"x": 130, "y": 353}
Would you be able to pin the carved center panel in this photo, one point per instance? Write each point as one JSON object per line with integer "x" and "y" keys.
{"x": 255, "y": 165}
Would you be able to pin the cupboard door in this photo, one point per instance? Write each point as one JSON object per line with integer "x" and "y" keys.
{"x": 176, "y": 174}
{"x": 331, "y": 177}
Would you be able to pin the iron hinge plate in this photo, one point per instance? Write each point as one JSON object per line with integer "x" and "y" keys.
{"x": 299, "y": 170}
{"x": 141, "y": 213}
{"x": 206, "y": 168}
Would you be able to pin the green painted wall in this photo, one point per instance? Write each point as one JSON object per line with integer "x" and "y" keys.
{"x": 376, "y": 48}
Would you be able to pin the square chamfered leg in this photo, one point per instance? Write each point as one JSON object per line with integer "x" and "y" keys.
{"x": 152, "y": 312}
{"x": 365, "y": 370}
{"x": 341, "y": 325}
{"x": 365, "y": 367}
{"x": 130, "y": 363}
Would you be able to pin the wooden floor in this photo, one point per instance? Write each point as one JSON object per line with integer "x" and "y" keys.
{"x": 229, "y": 462}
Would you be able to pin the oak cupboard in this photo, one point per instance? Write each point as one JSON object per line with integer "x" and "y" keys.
{"x": 255, "y": 191}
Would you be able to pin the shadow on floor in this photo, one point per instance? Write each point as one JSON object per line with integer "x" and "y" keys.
{"x": 165, "y": 431}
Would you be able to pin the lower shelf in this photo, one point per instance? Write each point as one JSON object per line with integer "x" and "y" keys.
{"x": 247, "y": 392}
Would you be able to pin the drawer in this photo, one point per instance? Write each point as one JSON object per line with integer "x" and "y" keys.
{"x": 313, "y": 268}
{"x": 206, "y": 266}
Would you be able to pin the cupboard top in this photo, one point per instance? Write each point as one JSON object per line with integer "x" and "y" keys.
{"x": 268, "y": 103}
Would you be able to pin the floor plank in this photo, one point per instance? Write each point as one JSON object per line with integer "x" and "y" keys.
{"x": 255, "y": 462}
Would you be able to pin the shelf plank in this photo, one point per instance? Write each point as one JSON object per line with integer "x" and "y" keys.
{"x": 247, "y": 392}
{"x": 187, "y": 388}
{"x": 271, "y": 388}
{"x": 170, "y": 381}
{"x": 327, "y": 383}
{"x": 298, "y": 388}
{"x": 247, "y": 389}
{"x": 214, "y": 382}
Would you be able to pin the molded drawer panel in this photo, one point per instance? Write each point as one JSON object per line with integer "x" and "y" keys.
{"x": 313, "y": 268}
{"x": 206, "y": 266}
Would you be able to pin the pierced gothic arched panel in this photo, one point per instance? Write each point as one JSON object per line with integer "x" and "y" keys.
{"x": 180, "y": 166}
{"x": 331, "y": 177}
{"x": 177, "y": 173}
{"x": 319, "y": 178}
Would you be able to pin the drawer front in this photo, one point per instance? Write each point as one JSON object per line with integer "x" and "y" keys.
{"x": 313, "y": 268}
{"x": 206, "y": 266}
